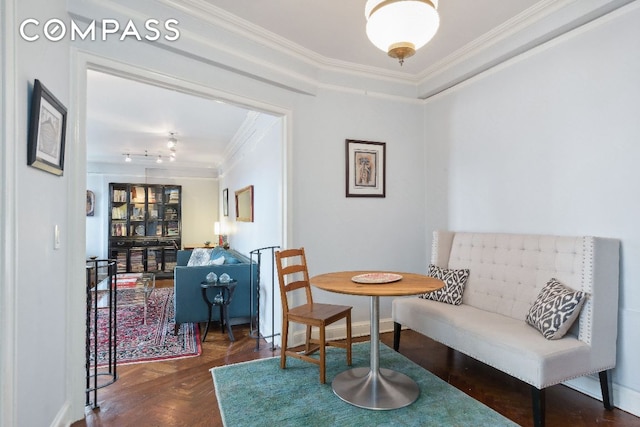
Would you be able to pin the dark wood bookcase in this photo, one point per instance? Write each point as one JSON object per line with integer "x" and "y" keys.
{"x": 145, "y": 227}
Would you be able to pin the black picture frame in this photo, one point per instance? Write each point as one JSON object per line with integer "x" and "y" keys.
{"x": 365, "y": 172}
{"x": 225, "y": 202}
{"x": 47, "y": 131}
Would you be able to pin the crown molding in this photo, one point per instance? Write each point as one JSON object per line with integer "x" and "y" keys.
{"x": 250, "y": 133}
{"x": 229, "y": 22}
{"x": 244, "y": 48}
{"x": 497, "y": 34}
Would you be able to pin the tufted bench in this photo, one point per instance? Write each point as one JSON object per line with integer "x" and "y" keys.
{"x": 506, "y": 273}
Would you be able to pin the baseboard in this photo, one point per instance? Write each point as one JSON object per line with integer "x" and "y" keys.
{"x": 623, "y": 398}
{"x": 62, "y": 417}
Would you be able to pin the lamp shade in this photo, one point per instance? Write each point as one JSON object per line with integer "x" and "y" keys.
{"x": 400, "y": 27}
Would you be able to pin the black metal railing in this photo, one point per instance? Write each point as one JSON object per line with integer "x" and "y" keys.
{"x": 101, "y": 294}
{"x": 254, "y": 328}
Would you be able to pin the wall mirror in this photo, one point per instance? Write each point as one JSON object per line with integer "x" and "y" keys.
{"x": 244, "y": 204}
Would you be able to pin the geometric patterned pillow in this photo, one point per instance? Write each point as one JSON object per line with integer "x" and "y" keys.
{"x": 555, "y": 309}
{"x": 454, "y": 281}
{"x": 199, "y": 256}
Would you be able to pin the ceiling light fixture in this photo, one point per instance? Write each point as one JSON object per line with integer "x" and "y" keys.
{"x": 400, "y": 27}
{"x": 172, "y": 143}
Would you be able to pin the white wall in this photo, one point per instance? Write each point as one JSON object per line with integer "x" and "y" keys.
{"x": 35, "y": 367}
{"x": 548, "y": 143}
{"x": 261, "y": 164}
{"x": 199, "y": 203}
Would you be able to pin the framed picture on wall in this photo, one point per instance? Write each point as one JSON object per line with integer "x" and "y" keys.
{"x": 225, "y": 202}
{"x": 91, "y": 203}
{"x": 365, "y": 168}
{"x": 47, "y": 131}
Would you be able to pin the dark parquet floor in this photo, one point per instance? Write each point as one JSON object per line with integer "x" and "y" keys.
{"x": 180, "y": 392}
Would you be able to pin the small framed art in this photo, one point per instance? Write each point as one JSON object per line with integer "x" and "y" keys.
{"x": 225, "y": 202}
{"x": 47, "y": 131}
{"x": 91, "y": 203}
{"x": 365, "y": 168}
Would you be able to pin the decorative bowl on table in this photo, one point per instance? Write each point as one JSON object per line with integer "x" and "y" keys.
{"x": 376, "y": 278}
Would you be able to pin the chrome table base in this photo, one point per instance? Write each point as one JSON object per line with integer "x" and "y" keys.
{"x": 374, "y": 387}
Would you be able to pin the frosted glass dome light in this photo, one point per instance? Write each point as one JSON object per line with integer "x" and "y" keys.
{"x": 400, "y": 27}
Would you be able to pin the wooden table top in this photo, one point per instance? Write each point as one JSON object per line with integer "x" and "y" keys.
{"x": 410, "y": 284}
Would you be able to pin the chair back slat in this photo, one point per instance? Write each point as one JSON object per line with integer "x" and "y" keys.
{"x": 292, "y": 274}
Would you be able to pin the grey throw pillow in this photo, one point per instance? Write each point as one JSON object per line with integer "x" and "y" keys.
{"x": 555, "y": 309}
{"x": 454, "y": 281}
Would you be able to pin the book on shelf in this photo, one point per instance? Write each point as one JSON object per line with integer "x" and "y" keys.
{"x": 136, "y": 260}
{"x": 137, "y": 212}
{"x": 170, "y": 213}
{"x": 119, "y": 212}
{"x": 121, "y": 261}
{"x": 119, "y": 229}
{"x": 173, "y": 195}
{"x": 152, "y": 196}
{"x": 137, "y": 194}
{"x": 172, "y": 228}
{"x": 119, "y": 196}
{"x": 152, "y": 264}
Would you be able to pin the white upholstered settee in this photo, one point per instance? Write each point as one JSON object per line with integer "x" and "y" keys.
{"x": 506, "y": 274}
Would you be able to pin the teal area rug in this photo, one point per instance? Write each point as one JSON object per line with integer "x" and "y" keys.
{"x": 260, "y": 393}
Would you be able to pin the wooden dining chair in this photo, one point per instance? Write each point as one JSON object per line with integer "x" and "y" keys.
{"x": 293, "y": 275}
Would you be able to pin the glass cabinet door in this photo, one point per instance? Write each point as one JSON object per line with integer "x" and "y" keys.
{"x": 154, "y": 259}
{"x": 136, "y": 260}
{"x": 170, "y": 259}
{"x": 120, "y": 255}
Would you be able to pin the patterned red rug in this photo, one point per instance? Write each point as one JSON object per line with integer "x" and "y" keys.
{"x": 155, "y": 341}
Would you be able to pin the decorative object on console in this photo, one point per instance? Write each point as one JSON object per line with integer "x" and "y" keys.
{"x": 212, "y": 277}
{"x": 454, "y": 281}
{"x": 555, "y": 309}
{"x": 217, "y": 230}
{"x": 365, "y": 168}
{"x": 47, "y": 131}
{"x": 400, "y": 27}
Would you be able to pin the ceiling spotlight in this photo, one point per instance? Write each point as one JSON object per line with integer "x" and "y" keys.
{"x": 173, "y": 142}
{"x": 400, "y": 27}
{"x": 172, "y": 156}
{"x": 127, "y": 158}
{"x": 159, "y": 160}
